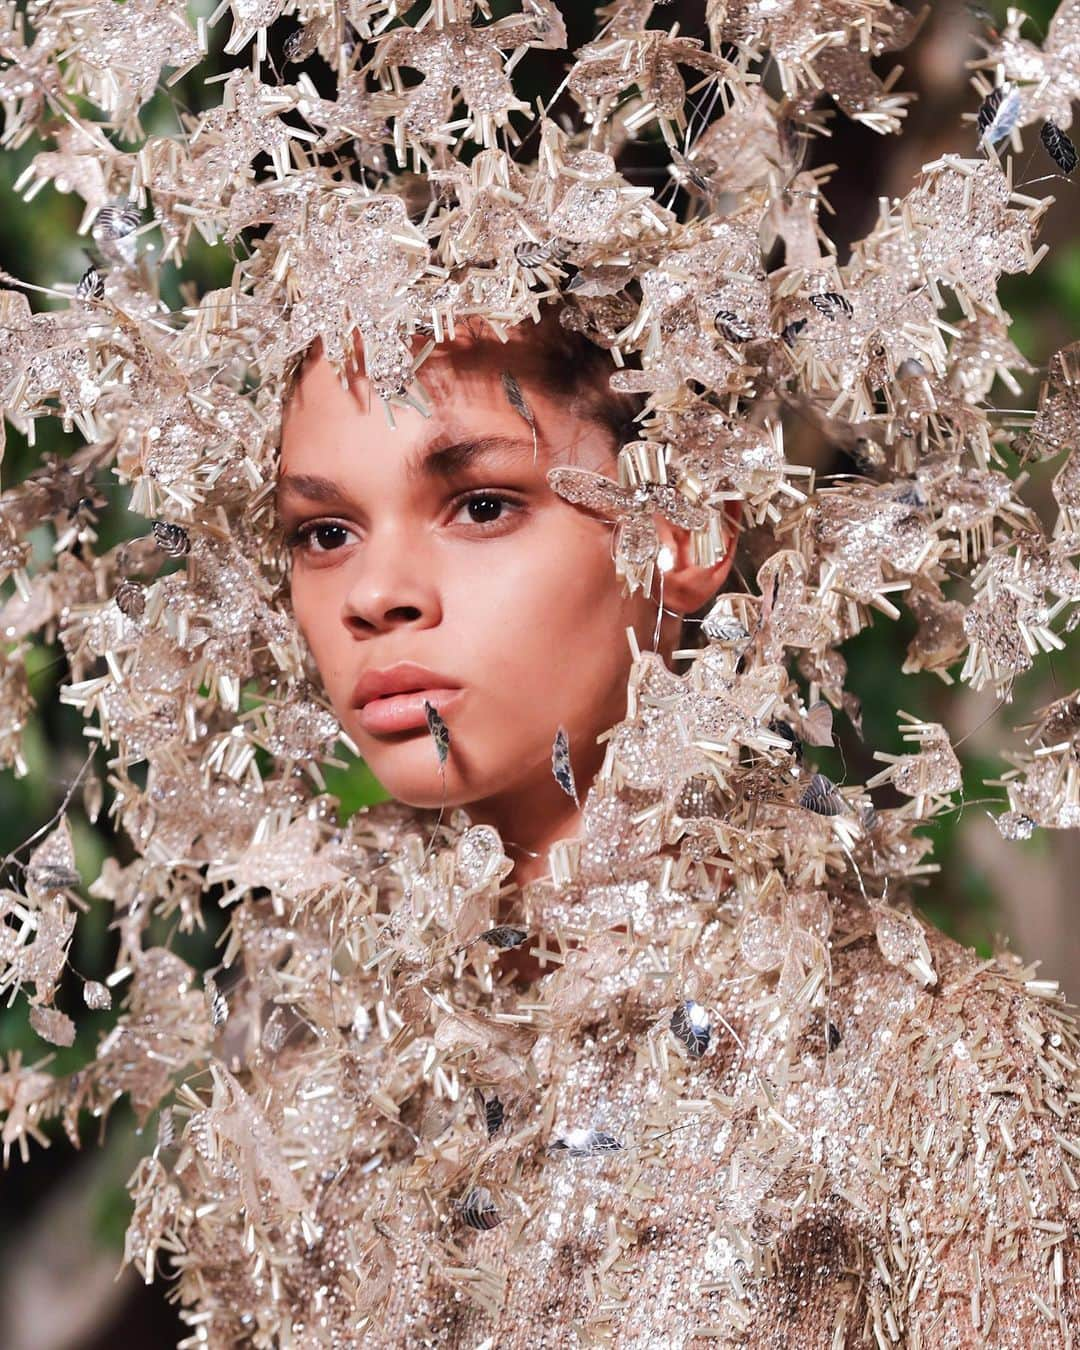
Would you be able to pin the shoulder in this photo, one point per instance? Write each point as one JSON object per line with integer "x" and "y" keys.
{"x": 989, "y": 1042}
{"x": 982, "y": 1020}
{"x": 972, "y": 1098}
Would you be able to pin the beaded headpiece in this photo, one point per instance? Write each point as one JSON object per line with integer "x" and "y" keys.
{"x": 387, "y": 186}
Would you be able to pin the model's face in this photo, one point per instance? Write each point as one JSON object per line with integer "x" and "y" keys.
{"x": 439, "y": 542}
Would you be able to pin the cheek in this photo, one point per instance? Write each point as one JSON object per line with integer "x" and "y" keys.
{"x": 553, "y": 621}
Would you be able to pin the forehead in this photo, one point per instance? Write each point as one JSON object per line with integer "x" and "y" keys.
{"x": 472, "y": 387}
{"x": 459, "y": 396}
{"x": 474, "y": 355}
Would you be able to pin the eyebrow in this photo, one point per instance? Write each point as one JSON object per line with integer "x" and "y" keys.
{"x": 442, "y": 461}
{"x": 438, "y": 462}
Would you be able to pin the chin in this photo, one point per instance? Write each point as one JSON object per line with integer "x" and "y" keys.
{"x": 422, "y": 788}
{"x": 428, "y": 797}
{"x": 425, "y": 789}
{"x": 408, "y": 769}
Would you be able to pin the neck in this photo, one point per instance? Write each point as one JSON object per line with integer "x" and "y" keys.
{"x": 535, "y": 814}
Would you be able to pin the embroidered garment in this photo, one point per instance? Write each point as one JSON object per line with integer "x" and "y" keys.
{"x": 684, "y": 1133}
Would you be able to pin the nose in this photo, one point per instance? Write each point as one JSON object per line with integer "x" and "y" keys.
{"x": 393, "y": 585}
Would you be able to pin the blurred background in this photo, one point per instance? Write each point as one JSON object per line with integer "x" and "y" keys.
{"x": 63, "y": 1214}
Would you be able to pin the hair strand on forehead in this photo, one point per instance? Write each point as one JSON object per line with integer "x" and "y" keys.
{"x": 516, "y": 399}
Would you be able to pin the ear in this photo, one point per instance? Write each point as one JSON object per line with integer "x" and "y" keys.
{"x": 689, "y": 584}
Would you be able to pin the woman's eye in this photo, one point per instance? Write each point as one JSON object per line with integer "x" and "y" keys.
{"x": 487, "y": 508}
{"x": 321, "y": 537}
{"x": 485, "y": 511}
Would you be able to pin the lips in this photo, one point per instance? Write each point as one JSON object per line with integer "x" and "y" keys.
{"x": 405, "y": 712}
{"x": 392, "y": 699}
